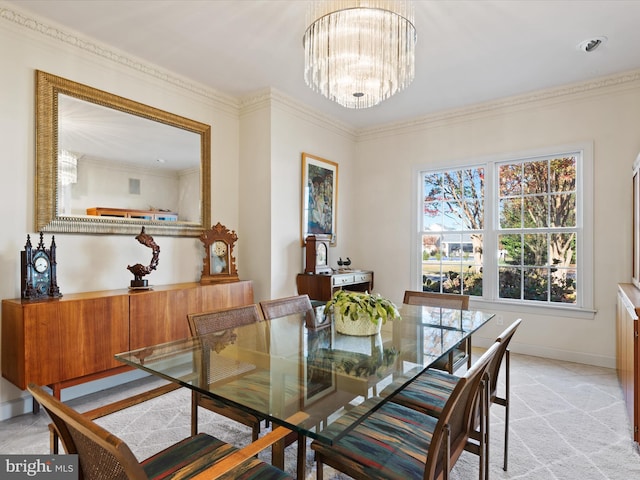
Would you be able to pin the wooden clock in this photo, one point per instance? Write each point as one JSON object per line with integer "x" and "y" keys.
{"x": 38, "y": 271}
{"x": 219, "y": 265}
{"x": 317, "y": 255}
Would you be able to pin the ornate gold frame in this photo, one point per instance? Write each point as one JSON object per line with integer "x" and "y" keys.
{"x": 46, "y": 186}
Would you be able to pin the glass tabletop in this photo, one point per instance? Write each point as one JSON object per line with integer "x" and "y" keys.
{"x": 279, "y": 367}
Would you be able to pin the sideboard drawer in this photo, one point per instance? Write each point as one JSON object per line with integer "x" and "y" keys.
{"x": 339, "y": 280}
{"x": 362, "y": 277}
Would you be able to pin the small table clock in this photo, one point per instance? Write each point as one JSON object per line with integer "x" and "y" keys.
{"x": 38, "y": 271}
{"x": 219, "y": 265}
{"x": 317, "y": 255}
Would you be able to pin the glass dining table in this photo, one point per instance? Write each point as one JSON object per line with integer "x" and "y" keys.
{"x": 277, "y": 368}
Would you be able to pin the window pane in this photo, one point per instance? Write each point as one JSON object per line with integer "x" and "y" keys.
{"x": 452, "y": 279}
{"x": 473, "y": 183}
{"x": 452, "y": 263}
{"x": 563, "y": 174}
{"x": 563, "y": 210}
{"x": 510, "y": 180}
{"x": 536, "y": 211}
{"x": 472, "y": 265}
{"x": 563, "y": 286}
{"x": 535, "y": 249}
{"x": 509, "y": 249}
{"x": 511, "y": 213}
{"x": 432, "y": 216}
{"x": 536, "y": 284}
{"x": 452, "y": 185}
{"x": 431, "y": 263}
{"x": 453, "y": 216}
{"x": 562, "y": 250}
{"x": 433, "y": 186}
{"x": 536, "y": 177}
{"x": 472, "y": 281}
{"x": 509, "y": 282}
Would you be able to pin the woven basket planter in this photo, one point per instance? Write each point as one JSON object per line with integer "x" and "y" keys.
{"x": 363, "y": 326}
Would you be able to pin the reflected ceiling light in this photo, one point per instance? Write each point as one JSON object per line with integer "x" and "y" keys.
{"x": 67, "y": 167}
{"x": 359, "y": 52}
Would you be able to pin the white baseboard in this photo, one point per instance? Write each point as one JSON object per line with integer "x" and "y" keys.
{"x": 552, "y": 353}
{"x": 24, "y": 404}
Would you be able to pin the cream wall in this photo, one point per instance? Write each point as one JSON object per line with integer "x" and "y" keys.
{"x": 104, "y": 185}
{"x": 96, "y": 262}
{"x": 254, "y": 239}
{"x": 603, "y": 114}
{"x": 275, "y": 131}
{"x": 295, "y": 132}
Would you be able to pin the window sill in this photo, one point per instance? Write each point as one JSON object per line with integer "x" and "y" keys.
{"x": 557, "y": 311}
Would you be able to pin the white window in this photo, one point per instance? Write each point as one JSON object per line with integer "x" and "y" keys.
{"x": 514, "y": 229}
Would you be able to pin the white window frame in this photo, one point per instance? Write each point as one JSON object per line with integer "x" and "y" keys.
{"x": 584, "y": 221}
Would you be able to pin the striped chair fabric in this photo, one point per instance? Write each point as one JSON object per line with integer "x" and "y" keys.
{"x": 397, "y": 443}
{"x": 103, "y": 456}
{"x": 429, "y": 391}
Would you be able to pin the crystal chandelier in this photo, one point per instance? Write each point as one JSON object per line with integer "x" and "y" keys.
{"x": 359, "y": 52}
{"x": 67, "y": 168}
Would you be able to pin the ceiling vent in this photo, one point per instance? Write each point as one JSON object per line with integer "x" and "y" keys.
{"x": 591, "y": 44}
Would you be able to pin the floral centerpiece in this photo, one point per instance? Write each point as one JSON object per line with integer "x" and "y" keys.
{"x": 360, "y": 313}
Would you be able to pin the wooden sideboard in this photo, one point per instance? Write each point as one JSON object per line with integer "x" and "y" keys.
{"x": 321, "y": 286}
{"x": 627, "y": 354}
{"x": 70, "y": 340}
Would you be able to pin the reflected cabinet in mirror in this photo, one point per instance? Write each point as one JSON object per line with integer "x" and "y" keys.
{"x": 106, "y": 164}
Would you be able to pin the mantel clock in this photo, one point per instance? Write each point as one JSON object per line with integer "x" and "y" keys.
{"x": 317, "y": 255}
{"x": 219, "y": 265}
{"x": 38, "y": 271}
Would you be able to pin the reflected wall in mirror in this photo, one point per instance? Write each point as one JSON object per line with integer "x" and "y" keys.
{"x": 106, "y": 164}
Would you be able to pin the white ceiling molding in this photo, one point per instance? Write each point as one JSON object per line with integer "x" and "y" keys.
{"x": 57, "y": 33}
{"x": 563, "y": 93}
{"x": 274, "y": 97}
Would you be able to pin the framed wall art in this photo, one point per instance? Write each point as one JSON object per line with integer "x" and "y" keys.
{"x": 319, "y": 198}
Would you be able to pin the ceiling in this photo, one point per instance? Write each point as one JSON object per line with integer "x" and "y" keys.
{"x": 467, "y": 52}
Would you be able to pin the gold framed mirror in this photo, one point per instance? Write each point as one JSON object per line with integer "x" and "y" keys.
{"x": 107, "y": 164}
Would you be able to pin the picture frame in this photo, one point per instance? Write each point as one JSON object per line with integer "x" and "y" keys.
{"x": 319, "y": 373}
{"x": 319, "y": 199}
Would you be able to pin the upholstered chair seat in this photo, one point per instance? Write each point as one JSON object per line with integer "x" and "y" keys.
{"x": 396, "y": 442}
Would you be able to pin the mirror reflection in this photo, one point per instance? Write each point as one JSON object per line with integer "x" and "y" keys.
{"x": 112, "y": 164}
{"x": 110, "y": 161}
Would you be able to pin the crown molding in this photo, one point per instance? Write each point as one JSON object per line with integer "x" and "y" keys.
{"x": 106, "y": 52}
{"x": 599, "y": 86}
{"x": 273, "y": 97}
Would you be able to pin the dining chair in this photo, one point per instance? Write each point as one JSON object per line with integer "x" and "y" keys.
{"x": 104, "y": 456}
{"x": 280, "y": 307}
{"x": 461, "y": 353}
{"x": 429, "y": 391}
{"x": 219, "y": 321}
{"x": 396, "y": 442}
